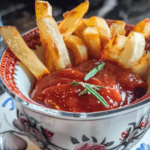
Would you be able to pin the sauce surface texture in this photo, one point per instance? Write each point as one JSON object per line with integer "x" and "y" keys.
{"x": 120, "y": 87}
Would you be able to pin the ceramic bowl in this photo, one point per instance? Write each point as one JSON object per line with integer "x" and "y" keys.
{"x": 117, "y": 129}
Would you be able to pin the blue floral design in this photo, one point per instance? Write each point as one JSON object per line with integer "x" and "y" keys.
{"x": 144, "y": 147}
{"x": 12, "y": 103}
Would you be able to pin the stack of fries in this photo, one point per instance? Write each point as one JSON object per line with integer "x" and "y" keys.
{"x": 81, "y": 38}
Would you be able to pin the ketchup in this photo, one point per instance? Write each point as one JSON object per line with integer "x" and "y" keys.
{"x": 120, "y": 86}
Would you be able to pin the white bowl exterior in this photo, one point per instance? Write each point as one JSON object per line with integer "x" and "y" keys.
{"x": 111, "y": 129}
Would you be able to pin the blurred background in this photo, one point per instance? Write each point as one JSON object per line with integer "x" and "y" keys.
{"x": 21, "y": 13}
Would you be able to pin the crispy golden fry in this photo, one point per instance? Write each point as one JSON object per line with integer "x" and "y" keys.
{"x": 92, "y": 40}
{"x": 140, "y": 67}
{"x": 48, "y": 60}
{"x": 117, "y": 28}
{"x": 143, "y": 27}
{"x": 39, "y": 51}
{"x": 80, "y": 28}
{"x": 15, "y": 42}
{"x": 66, "y": 14}
{"x": 56, "y": 54}
{"x": 102, "y": 27}
{"x": 114, "y": 48}
{"x": 133, "y": 49}
{"x": 72, "y": 20}
{"x": 100, "y": 23}
{"x": 42, "y": 8}
{"x": 77, "y": 47}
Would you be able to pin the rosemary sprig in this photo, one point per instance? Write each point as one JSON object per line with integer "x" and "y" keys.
{"x": 93, "y": 71}
{"x": 93, "y": 92}
{"x": 95, "y": 87}
{"x": 90, "y": 88}
{"x": 83, "y": 92}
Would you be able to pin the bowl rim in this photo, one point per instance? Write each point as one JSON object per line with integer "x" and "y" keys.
{"x": 71, "y": 115}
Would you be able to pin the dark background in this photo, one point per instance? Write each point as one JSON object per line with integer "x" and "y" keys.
{"x": 21, "y": 13}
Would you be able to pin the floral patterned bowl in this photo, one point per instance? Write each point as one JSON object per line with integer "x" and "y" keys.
{"x": 117, "y": 129}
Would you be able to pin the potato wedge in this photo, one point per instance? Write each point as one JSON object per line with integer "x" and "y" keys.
{"x": 80, "y": 28}
{"x": 92, "y": 40}
{"x": 102, "y": 27}
{"x": 55, "y": 48}
{"x": 143, "y": 27}
{"x": 15, "y": 42}
{"x": 72, "y": 20}
{"x": 117, "y": 28}
{"x": 114, "y": 48}
{"x": 133, "y": 49}
{"x": 140, "y": 67}
{"x": 77, "y": 47}
{"x": 42, "y": 8}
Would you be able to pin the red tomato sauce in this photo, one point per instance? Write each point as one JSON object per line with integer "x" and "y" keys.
{"x": 120, "y": 87}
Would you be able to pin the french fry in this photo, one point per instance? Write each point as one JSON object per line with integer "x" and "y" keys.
{"x": 114, "y": 48}
{"x": 140, "y": 67}
{"x": 102, "y": 27}
{"x": 39, "y": 51}
{"x": 100, "y": 23}
{"x": 48, "y": 60}
{"x": 80, "y": 28}
{"x": 56, "y": 53}
{"x": 133, "y": 49}
{"x": 77, "y": 48}
{"x": 66, "y": 14}
{"x": 143, "y": 27}
{"x": 42, "y": 8}
{"x": 92, "y": 40}
{"x": 15, "y": 42}
{"x": 117, "y": 28}
{"x": 72, "y": 19}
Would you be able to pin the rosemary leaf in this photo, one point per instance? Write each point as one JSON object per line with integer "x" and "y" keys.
{"x": 93, "y": 71}
{"x": 75, "y": 83}
{"x": 90, "y": 88}
{"x": 83, "y": 92}
{"x": 93, "y": 92}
